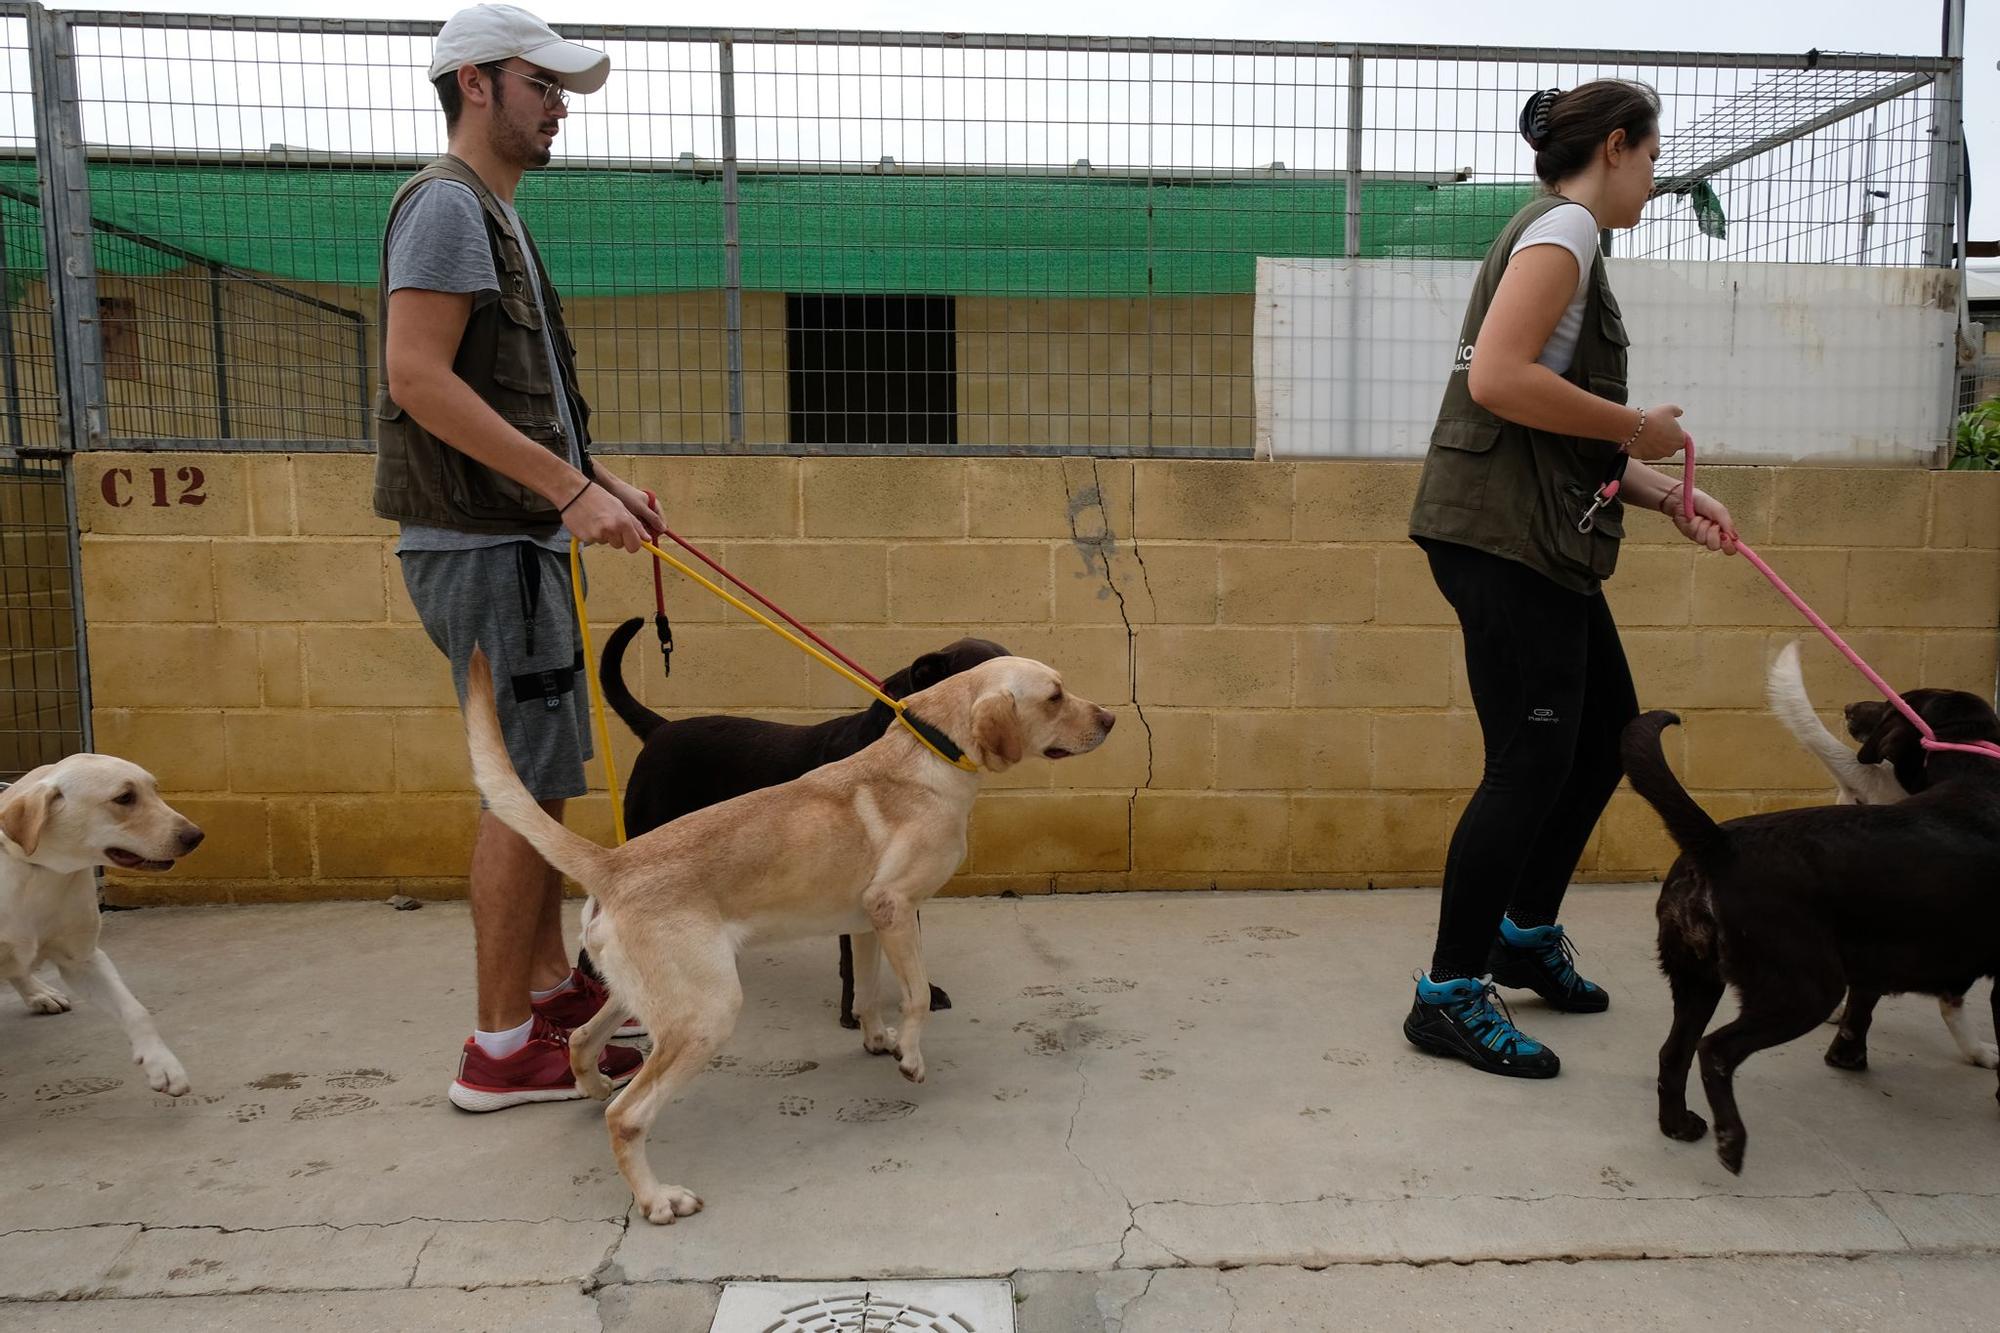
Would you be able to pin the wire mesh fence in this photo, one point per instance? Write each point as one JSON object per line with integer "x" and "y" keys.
{"x": 801, "y": 241}
{"x": 41, "y": 694}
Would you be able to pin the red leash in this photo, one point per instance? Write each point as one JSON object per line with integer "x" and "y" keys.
{"x": 1930, "y": 740}
{"x": 660, "y": 601}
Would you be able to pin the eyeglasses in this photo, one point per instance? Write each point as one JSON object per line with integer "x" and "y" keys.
{"x": 553, "y": 96}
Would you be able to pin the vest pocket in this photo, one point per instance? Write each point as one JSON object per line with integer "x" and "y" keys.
{"x": 486, "y": 494}
{"x": 1562, "y": 502}
{"x": 1458, "y": 464}
{"x": 520, "y": 362}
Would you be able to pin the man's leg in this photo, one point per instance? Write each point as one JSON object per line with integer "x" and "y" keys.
{"x": 512, "y": 909}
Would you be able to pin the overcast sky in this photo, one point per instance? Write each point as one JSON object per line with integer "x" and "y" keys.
{"x": 1694, "y": 25}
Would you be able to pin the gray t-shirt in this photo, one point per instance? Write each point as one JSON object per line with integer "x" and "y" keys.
{"x": 439, "y": 244}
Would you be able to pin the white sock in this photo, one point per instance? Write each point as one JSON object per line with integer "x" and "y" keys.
{"x": 500, "y": 1045}
{"x": 567, "y": 983}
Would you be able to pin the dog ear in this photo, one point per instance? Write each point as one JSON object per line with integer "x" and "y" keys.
{"x": 996, "y": 730}
{"x": 23, "y": 818}
{"x": 1864, "y": 719}
{"x": 1891, "y": 736}
{"x": 929, "y": 669}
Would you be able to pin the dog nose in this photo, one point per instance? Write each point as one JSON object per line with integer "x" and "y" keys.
{"x": 191, "y": 838}
{"x": 1106, "y": 719}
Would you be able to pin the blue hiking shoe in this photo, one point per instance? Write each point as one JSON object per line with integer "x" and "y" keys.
{"x": 1543, "y": 960}
{"x": 1467, "y": 1020}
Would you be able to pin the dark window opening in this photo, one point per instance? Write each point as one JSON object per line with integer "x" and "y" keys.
{"x": 872, "y": 369}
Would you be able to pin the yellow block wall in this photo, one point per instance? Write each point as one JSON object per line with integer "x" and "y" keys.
{"x": 1292, "y": 702}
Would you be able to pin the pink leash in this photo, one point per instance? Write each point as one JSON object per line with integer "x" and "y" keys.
{"x": 1930, "y": 740}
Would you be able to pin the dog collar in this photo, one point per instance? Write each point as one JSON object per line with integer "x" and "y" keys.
{"x": 939, "y": 744}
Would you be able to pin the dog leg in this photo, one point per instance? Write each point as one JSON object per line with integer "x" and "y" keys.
{"x": 906, "y": 955}
{"x": 1850, "y": 1045}
{"x": 847, "y": 1018}
{"x": 1977, "y": 1052}
{"x": 1996, "y": 1014}
{"x": 39, "y": 996}
{"x": 587, "y": 1043}
{"x": 1758, "y": 1028}
{"x": 95, "y": 978}
{"x": 875, "y": 1039}
{"x": 939, "y": 1000}
{"x": 684, "y": 1040}
{"x": 1697, "y": 990}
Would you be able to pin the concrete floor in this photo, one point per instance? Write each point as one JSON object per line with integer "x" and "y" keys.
{"x": 1181, "y": 1112}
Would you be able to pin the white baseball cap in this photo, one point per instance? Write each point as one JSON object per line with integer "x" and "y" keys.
{"x": 485, "y": 34}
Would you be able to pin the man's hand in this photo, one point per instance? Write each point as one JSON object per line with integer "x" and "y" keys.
{"x": 599, "y": 518}
{"x": 647, "y": 512}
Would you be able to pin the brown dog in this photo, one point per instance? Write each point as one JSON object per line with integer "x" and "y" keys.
{"x": 1793, "y": 907}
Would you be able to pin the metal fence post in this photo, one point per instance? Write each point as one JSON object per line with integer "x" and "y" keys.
{"x": 1947, "y": 147}
{"x": 732, "y": 240}
{"x": 72, "y": 263}
{"x": 1354, "y": 112}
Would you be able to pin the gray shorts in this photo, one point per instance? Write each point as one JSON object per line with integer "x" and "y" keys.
{"x": 514, "y": 601}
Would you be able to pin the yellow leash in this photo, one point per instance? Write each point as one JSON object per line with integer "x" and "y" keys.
{"x": 596, "y": 694}
{"x": 915, "y": 726}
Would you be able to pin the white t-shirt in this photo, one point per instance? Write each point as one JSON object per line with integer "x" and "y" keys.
{"x": 1574, "y": 228}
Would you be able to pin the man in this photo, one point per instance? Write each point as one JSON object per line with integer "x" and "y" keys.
{"x": 484, "y": 460}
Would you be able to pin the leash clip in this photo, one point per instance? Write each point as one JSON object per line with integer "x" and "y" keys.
{"x": 1603, "y": 496}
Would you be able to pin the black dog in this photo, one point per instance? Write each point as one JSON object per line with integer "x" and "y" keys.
{"x": 700, "y": 761}
{"x": 1793, "y": 907}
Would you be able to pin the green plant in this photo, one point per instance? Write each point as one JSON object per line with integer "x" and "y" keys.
{"x": 1975, "y": 440}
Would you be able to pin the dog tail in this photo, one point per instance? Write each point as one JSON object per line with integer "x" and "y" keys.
{"x": 1785, "y": 691}
{"x": 1646, "y": 765}
{"x": 493, "y": 772}
{"x": 611, "y": 676}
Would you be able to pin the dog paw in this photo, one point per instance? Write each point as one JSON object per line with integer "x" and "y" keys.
{"x": 850, "y": 1022}
{"x": 939, "y": 1000}
{"x": 1729, "y": 1145}
{"x": 594, "y": 1085}
{"x": 1844, "y": 1054}
{"x": 1987, "y": 1056}
{"x": 913, "y": 1070}
{"x": 1685, "y": 1126}
{"x": 669, "y": 1203}
{"x": 163, "y": 1072}
{"x": 47, "y": 1000}
{"x": 882, "y": 1042}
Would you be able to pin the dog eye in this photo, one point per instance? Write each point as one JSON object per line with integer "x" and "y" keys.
{"x": 1057, "y": 697}
{"x": 125, "y": 798}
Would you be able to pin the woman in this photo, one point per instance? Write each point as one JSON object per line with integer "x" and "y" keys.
{"x": 1512, "y": 515}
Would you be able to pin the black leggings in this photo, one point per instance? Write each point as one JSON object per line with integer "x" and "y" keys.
{"x": 1553, "y": 693}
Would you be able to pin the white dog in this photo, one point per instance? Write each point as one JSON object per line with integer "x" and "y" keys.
{"x": 1859, "y": 784}
{"x": 56, "y": 824}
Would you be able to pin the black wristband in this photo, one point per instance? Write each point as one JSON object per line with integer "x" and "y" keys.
{"x": 574, "y": 498}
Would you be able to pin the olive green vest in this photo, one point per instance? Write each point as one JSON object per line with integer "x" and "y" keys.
{"x": 420, "y": 478}
{"x": 1512, "y": 491}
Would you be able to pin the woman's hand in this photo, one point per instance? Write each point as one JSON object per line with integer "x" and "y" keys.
{"x": 1661, "y": 436}
{"x": 1711, "y": 525}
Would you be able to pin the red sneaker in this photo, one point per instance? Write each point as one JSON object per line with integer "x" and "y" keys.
{"x": 538, "y": 1072}
{"x": 579, "y": 1004}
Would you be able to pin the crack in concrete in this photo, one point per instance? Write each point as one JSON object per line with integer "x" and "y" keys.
{"x": 148, "y": 1227}
{"x": 608, "y": 1273}
{"x": 1580, "y": 1198}
{"x": 1115, "y": 1320}
{"x": 418, "y": 1262}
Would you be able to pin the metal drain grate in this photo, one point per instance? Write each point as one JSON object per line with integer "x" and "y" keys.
{"x": 866, "y": 1307}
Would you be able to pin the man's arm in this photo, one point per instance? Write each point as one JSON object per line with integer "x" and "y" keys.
{"x": 425, "y": 328}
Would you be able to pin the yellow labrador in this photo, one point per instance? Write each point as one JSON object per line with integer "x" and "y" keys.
{"x": 55, "y": 825}
{"x": 852, "y": 848}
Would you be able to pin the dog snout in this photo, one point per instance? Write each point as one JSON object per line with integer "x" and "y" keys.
{"x": 190, "y": 838}
{"x": 1106, "y": 720}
